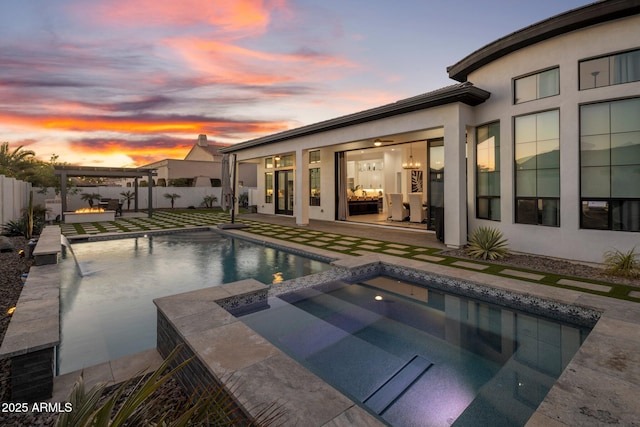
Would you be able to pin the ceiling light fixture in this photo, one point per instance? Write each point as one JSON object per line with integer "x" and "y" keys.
{"x": 377, "y": 142}
{"x": 410, "y": 163}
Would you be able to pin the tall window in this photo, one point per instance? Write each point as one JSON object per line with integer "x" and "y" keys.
{"x": 268, "y": 187}
{"x": 537, "y": 158}
{"x": 314, "y": 178}
{"x": 610, "y": 70}
{"x": 610, "y": 165}
{"x": 314, "y": 187}
{"x": 488, "y": 171}
{"x": 536, "y": 86}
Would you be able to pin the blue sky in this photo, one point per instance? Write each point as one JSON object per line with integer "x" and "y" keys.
{"x": 128, "y": 82}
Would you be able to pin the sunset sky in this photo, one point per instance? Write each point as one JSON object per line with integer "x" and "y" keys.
{"x": 126, "y": 82}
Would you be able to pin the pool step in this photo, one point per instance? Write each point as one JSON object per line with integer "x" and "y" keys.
{"x": 397, "y": 384}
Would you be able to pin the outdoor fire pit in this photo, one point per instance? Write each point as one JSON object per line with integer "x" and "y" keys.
{"x": 89, "y": 215}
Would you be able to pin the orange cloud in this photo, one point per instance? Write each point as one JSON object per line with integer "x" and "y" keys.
{"x": 146, "y": 124}
{"x": 229, "y": 16}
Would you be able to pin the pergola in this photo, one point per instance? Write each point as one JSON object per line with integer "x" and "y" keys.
{"x": 104, "y": 172}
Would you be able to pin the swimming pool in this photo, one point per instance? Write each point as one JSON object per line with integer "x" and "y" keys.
{"x": 422, "y": 356}
{"x": 107, "y": 311}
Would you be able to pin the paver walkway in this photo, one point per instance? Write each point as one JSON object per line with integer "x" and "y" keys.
{"x": 346, "y": 238}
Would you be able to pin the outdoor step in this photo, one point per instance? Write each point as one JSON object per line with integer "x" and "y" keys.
{"x": 395, "y": 386}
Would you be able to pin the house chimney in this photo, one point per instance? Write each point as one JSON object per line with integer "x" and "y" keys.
{"x": 202, "y": 140}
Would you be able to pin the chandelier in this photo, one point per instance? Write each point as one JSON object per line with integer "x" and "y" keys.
{"x": 410, "y": 163}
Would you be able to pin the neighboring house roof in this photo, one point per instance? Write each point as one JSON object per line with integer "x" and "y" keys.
{"x": 208, "y": 151}
{"x": 466, "y": 93}
{"x": 582, "y": 17}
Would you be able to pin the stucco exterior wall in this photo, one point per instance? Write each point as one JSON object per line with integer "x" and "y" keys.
{"x": 568, "y": 240}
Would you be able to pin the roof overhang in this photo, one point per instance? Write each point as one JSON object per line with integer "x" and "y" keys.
{"x": 465, "y": 93}
{"x": 104, "y": 172}
{"x": 586, "y": 16}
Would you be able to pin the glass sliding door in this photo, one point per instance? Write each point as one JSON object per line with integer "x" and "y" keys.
{"x": 284, "y": 192}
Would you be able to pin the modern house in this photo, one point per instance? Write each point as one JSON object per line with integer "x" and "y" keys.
{"x": 539, "y": 138}
{"x": 201, "y": 167}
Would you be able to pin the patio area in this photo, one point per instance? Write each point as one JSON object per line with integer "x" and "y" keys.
{"x": 610, "y": 358}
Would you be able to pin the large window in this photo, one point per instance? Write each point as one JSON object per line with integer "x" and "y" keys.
{"x": 536, "y": 86}
{"x": 610, "y": 70}
{"x": 610, "y": 165}
{"x": 537, "y": 163}
{"x": 488, "y": 171}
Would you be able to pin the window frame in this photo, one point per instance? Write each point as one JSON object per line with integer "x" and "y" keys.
{"x": 539, "y": 199}
{"x": 608, "y": 56}
{"x": 532, "y": 74}
{"x": 613, "y": 202}
{"x": 314, "y": 198}
{"x": 268, "y": 185}
{"x": 488, "y": 198}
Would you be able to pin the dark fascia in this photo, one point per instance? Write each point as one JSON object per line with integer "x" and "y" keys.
{"x": 465, "y": 93}
{"x": 586, "y": 16}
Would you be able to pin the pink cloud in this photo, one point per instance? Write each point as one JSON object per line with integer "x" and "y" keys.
{"x": 230, "y": 16}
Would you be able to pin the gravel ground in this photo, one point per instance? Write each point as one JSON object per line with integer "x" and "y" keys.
{"x": 553, "y": 265}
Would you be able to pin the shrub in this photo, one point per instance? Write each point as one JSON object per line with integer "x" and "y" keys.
{"x": 209, "y": 200}
{"x": 620, "y": 263}
{"x": 133, "y": 404}
{"x": 487, "y": 243}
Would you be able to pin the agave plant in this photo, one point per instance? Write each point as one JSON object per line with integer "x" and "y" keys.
{"x": 487, "y": 243}
{"x": 622, "y": 263}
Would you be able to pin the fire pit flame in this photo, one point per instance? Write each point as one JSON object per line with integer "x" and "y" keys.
{"x": 89, "y": 210}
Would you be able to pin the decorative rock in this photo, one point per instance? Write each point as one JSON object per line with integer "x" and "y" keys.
{"x": 6, "y": 245}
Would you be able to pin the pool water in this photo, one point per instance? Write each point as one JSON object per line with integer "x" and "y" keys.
{"x": 107, "y": 311}
{"x": 421, "y": 357}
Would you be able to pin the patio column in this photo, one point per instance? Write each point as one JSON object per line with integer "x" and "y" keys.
{"x": 301, "y": 188}
{"x": 150, "y": 194}
{"x": 63, "y": 194}
{"x": 135, "y": 187}
{"x": 455, "y": 185}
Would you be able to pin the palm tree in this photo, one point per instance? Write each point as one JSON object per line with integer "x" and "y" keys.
{"x": 173, "y": 197}
{"x": 128, "y": 197}
{"x": 16, "y": 163}
{"x": 209, "y": 200}
{"x": 90, "y": 197}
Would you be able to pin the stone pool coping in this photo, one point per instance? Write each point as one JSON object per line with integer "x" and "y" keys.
{"x": 601, "y": 384}
{"x": 34, "y": 330}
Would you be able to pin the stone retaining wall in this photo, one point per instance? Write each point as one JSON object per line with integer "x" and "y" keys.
{"x": 34, "y": 330}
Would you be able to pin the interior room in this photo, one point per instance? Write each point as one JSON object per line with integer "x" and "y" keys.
{"x": 389, "y": 184}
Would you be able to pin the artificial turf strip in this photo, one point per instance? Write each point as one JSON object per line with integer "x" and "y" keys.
{"x": 618, "y": 291}
{"x": 338, "y": 243}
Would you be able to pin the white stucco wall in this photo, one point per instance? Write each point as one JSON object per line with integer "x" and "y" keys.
{"x": 456, "y": 123}
{"x": 568, "y": 240}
